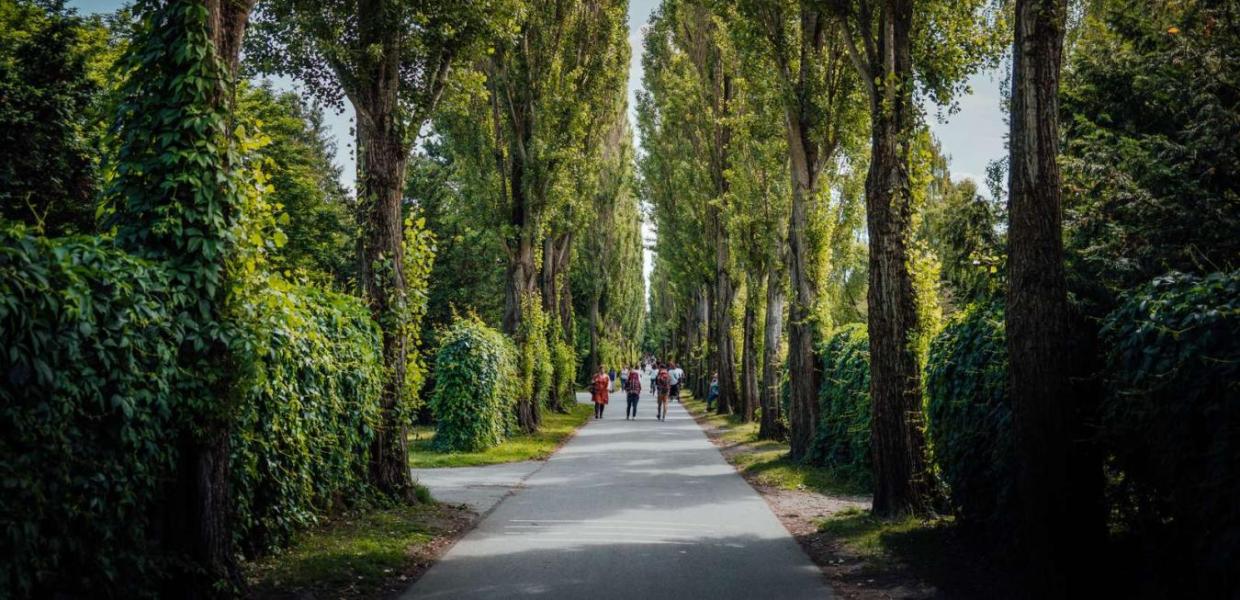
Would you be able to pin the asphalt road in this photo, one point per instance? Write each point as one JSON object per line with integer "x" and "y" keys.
{"x": 629, "y": 509}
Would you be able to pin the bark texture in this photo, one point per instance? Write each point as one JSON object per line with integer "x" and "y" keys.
{"x": 749, "y": 359}
{"x": 901, "y": 480}
{"x": 1037, "y": 306}
{"x": 772, "y": 424}
{"x": 382, "y": 158}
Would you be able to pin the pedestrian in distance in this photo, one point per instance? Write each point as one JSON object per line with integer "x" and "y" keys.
{"x": 676, "y": 375}
{"x": 633, "y": 393}
{"x": 601, "y": 388}
{"x": 663, "y": 383}
{"x": 714, "y": 391}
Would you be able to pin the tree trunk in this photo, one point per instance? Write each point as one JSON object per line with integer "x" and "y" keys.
{"x": 550, "y": 280}
{"x": 901, "y": 479}
{"x": 749, "y": 360}
{"x": 383, "y": 154}
{"x": 595, "y": 360}
{"x": 200, "y": 524}
{"x": 522, "y": 280}
{"x": 802, "y": 372}
{"x": 772, "y": 425}
{"x": 1037, "y": 307}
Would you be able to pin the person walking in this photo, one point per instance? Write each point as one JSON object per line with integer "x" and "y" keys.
{"x": 676, "y": 375}
{"x": 624, "y": 379}
{"x": 601, "y": 388}
{"x": 663, "y": 384}
{"x": 633, "y": 393}
{"x": 714, "y": 390}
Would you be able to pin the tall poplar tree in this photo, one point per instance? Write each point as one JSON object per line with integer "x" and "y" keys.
{"x": 178, "y": 198}
{"x": 391, "y": 60}
{"x": 1036, "y": 316}
{"x": 817, "y": 91}
{"x": 892, "y": 46}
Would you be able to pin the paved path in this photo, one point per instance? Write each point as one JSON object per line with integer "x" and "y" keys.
{"x": 480, "y": 488}
{"x": 640, "y": 509}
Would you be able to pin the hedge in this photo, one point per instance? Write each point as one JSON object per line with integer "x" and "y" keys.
{"x": 476, "y": 381}
{"x": 842, "y": 440}
{"x": 89, "y": 395}
{"x": 969, "y": 420}
{"x": 1172, "y": 412}
{"x": 310, "y": 405}
{"x": 92, "y": 412}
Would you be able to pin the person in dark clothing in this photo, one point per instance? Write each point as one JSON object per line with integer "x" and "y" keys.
{"x": 634, "y": 392}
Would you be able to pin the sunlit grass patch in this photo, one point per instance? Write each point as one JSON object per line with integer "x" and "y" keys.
{"x": 766, "y": 461}
{"x": 556, "y": 427}
{"x": 353, "y": 557}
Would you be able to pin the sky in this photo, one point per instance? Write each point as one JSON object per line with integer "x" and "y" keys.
{"x": 971, "y": 138}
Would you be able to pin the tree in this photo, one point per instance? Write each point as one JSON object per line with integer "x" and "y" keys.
{"x": 317, "y": 216}
{"x": 893, "y": 45}
{"x": 391, "y": 59}
{"x": 817, "y": 91}
{"x": 760, "y": 197}
{"x": 550, "y": 88}
{"x": 1037, "y": 300}
{"x": 178, "y": 193}
{"x": 676, "y": 181}
{"x": 49, "y": 138}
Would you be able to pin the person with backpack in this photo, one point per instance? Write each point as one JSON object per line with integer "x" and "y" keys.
{"x": 600, "y": 388}
{"x": 663, "y": 383}
{"x": 714, "y": 391}
{"x": 633, "y": 391}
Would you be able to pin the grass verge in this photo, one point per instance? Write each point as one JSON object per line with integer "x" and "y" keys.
{"x": 556, "y": 428}
{"x": 370, "y": 554}
{"x": 765, "y": 461}
{"x": 937, "y": 551}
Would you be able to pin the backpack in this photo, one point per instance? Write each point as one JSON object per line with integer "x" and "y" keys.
{"x": 635, "y": 380}
{"x": 663, "y": 380}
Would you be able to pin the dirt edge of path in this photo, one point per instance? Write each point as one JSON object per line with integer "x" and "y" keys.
{"x": 850, "y": 575}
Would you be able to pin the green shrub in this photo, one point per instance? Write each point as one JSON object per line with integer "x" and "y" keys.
{"x": 475, "y": 381}
{"x": 533, "y": 353}
{"x": 1172, "y": 412}
{"x": 87, "y": 404}
{"x": 969, "y": 422}
{"x": 842, "y": 440}
{"x": 309, "y": 407}
{"x": 92, "y": 404}
{"x": 564, "y": 366}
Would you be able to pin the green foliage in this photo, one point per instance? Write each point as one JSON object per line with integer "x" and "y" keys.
{"x": 475, "y": 383}
{"x": 1171, "y": 415}
{"x": 563, "y": 363}
{"x": 48, "y": 116}
{"x": 419, "y": 259}
{"x": 90, "y": 391}
{"x": 534, "y": 366}
{"x": 1152, "y": 152}
{"x": 309, "y": 407}
{"x": 314, "y": 209}
{"x": 969, "y": 420}
{"x": 842, "y": 439}
{"x": 468, "y": 274}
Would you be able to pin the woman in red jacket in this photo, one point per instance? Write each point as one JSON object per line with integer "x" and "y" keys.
{"x": 600, "y": 387}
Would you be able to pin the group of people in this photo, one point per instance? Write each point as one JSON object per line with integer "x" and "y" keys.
{"x": 665, "y": 380}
